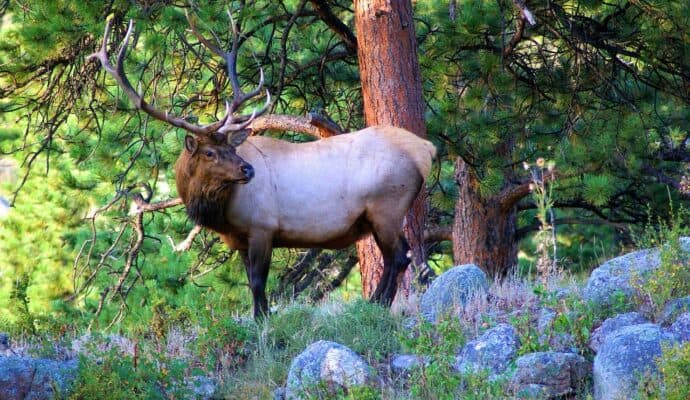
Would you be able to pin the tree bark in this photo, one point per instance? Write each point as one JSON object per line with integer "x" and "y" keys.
{"x": 392, "y": 94}
{"x": 484, "y": 230}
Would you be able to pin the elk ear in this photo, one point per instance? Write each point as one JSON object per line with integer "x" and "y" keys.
{"x": 237, "y": 138}
{"x": 190, "y": 144}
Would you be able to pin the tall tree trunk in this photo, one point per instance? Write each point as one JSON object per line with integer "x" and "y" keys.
{"x": 484, "y": 229}
{"x": 392, "y": 93}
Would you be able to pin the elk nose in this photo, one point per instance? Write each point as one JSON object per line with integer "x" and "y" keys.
{"x": 248, "y": 171}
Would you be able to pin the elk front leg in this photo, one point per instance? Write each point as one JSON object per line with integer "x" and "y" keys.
{"x": 257, "y": 260}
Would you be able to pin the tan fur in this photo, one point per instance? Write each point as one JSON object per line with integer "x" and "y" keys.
{"x": 422, "y": 151}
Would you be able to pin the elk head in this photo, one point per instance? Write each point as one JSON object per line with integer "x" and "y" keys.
{"x": 214, "y": 158}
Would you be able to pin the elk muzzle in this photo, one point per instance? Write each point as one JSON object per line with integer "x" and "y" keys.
{"x": 248, "y": 172}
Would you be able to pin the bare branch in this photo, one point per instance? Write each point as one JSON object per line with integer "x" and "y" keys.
{"x": 332, "y": 21}
{"x": 187, "y": 243}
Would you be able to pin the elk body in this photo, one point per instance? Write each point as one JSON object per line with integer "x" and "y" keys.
{"x": 259, "y": 193}
{"x": 270, "y": 193}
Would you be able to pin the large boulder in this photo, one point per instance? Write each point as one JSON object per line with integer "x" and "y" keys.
{"x": 549, "y": 374}
{"x": 492, "y": 351}
{"x": 325, "y": 365}
{"x": 673, "y": 309}
{"x": 624, "y": 357}
{"x": 616, "y": 275}
{"x": 612, "y": 325}
{"x": 451, "y": 291}
{"x": 681, "y": 328}
{"x": 23, "y": 378}
{"x": 402, "y": 365}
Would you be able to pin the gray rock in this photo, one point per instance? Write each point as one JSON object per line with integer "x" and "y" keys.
{"x": 673, "y": 309}
{"x": 681, "y": 328}
{"x": 615, "y": 275}
{"x": 6, "y": 345}
{"x": 403, "y": 364}
{"x": 547, "y": 375}
{"x": 279, "y": 393}
{"x": 326, "y": 364}
{"x": 624, "y": 357}
{"x": 545, "y": 320}
{"x": 451, "y": 291}
{"x": 203, "y": 387}
{"x": 612, "y": 325}
{"x": 35, "y": 379}
{"x": 492, "y": 351}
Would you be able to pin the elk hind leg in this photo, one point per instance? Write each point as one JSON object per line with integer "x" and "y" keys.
{"x": 395, "y": 261}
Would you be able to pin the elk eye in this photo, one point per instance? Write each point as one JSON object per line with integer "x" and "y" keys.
{"x": 209, "y": 154}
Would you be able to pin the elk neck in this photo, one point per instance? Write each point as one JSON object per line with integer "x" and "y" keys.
{"x": 205, "y": 197}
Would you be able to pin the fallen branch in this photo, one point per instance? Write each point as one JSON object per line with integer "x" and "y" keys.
{"x": 314, "y": 125}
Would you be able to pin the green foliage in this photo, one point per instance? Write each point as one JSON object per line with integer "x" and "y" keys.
{"x": 19, "y": 303}
{"x": 366, "y": 328}
{"x": 672, "y": 382}
{"x": 119, "y": 377}
{"x": 672, "y": 278}
{"x": 478, "y": 386}
{"x": 324, "y": 391}
{"x": 437, "y": 378}
{"x": 529, "y": 337}
{"x": 576, "y": 317}
{"x": 225, "y": 345}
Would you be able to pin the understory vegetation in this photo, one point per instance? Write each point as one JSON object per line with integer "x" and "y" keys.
{"x": 250, "y": 359}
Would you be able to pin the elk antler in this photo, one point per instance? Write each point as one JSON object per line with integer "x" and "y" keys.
{"x": 233, "y": 123}
{"x": 226, "y": 124}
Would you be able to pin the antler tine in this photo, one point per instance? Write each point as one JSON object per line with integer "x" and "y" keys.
{"x": 118, "y": 73}
{"x": 232, "y": 122}
{"x": 230, "y": 127}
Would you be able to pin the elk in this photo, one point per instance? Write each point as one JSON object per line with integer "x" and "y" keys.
{"x": 258, "y": 193}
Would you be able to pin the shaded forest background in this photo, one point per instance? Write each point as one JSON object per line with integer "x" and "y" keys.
{"x": 589, "y": 103}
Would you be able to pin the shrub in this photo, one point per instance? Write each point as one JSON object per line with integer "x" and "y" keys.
{"x": 673, "y": 379}
{"x": 440, "y": 342}
{"x": 672, "y": 278}
{"x": 116, "y": 377}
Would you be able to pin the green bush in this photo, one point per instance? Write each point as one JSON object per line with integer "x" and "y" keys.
{"x": 437, "y": 378}
{"x": 117, "y": 377}
{"x": 673, "y": 379}
{"x": 672, "y": 279}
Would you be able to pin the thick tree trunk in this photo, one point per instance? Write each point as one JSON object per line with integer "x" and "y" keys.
{"x": 484, "y": 229}
{"x": 392, "y": 93}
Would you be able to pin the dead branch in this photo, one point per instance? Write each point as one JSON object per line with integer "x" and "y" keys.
{"x": 313, "y": 125}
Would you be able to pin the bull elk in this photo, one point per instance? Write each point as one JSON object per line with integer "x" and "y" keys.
{"x": 258, "y": 193}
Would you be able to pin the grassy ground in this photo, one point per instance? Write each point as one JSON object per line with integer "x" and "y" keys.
{"x": 249, "y": 360}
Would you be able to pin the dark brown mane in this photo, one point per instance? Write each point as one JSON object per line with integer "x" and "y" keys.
{"x": 208, "y": 212}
